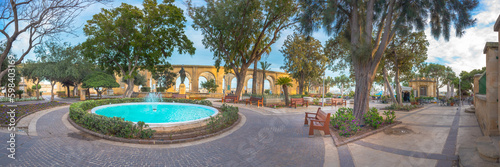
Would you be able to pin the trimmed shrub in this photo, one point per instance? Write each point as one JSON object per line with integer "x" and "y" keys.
{"x": 389, "y": 116}
{"x": 373, "y": 118}
{"x": 61, "y": 93}
{"x": 160, "y": 89}
{"x": 116, "y": 126}
{"x": 345, "y": 122}
{"x": 145, "y": 89}
{"x": 227, "y": 118}
{"x": 401, "y": 107}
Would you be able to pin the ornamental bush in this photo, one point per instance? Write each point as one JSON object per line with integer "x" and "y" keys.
{"x": 373, "y": 118}
{"x": 389, "y": 116}
{"x": 116, "y": 126}
{"x": 227, "y": 118}
{"x": 345, "y": 122}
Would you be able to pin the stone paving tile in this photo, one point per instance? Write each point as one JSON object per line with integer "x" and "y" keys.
{"x": 345, "y": 156}
{"x": 364, "y": 156}
{"x": 262, "y": 141}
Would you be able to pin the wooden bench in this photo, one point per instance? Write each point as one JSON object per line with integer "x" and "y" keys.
{"x": 230, "y": 97}
{"x": 301, "y": 101}
{"x": 259, "y": 101}
{"x": 336, "y": 101}
{"x": 179, "y": 96}
{"x": 319, "y": 120}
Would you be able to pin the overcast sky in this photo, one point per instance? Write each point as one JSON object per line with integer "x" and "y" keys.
{"x": 461, "y": 54}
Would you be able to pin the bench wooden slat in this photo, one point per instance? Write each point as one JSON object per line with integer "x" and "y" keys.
{"x": 259, "y": 101}
{"x": 336, "y": 101}
{"x": 230, "y": 97}
{"x": 320, "y": 121}
{"x": 301, "y": 101}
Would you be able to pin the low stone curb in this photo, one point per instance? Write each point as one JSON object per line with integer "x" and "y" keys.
{"x": 29, "y": 113}
{"x": 141, "y": 141}
{"x": 339, "y": 143}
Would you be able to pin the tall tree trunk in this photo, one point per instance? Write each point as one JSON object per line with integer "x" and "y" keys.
{"x": 263, "y": 80}
{"x": 67, "y": 90}
{"x": 385, "y": 88}
{"x": 437, "y": 87}
{"x": 285, "y": 91}
{"x": 396, "y": 79}
{"x": 342, "y": 91}
{"x": 37, "y": 90}
{"x": 398, "y": 88}
{"x": 301, "y": 83}
{"x": 448, "y": 92}
{"x": 452, "y": 90}
{"x": 75, "y": 89}
{"x": 130, "y": 88}
{"x": 254, "y": 80}
{"x": 391, "y": 93}
{"x": 362, "y": 92}
{"x": 240, "y": 80}
{"x": 52, "y": 83}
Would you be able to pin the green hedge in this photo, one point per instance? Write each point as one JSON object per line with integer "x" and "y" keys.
{"x": 227, "y": 118}
{"x": 116, "y": 126}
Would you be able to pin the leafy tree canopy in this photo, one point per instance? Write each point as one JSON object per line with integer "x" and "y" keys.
{"x": 99, "y": 79}
{"x": 239, "y": 32}
{"x": 127, "y": 38}
{"x": 304, "y": 59}
{"x": 210, "y": 85}
{"x": 164, "y": 76}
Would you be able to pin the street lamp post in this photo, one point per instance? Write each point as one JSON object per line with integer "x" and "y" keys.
{"x": 323, "y": 99}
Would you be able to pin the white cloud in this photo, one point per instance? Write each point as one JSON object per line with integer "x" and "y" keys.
{"x": 466, "y": 53}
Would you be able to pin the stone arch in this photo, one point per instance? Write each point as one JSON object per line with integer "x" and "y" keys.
{"x": 246, "y": 86}
{"x": 271, "y": 83}
{"x": 226, "y": 81}
{"x": 207, "y": 75}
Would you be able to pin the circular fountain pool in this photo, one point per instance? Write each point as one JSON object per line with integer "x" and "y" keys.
{"x": 157, "y": 114}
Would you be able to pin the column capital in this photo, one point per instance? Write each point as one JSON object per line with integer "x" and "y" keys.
{"x": 488, "y": 45}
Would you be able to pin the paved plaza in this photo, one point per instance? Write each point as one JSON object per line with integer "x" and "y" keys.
{"x": 267, "y": 137}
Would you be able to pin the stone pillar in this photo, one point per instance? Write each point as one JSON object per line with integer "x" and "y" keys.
{"x": 82, "y": 94}
{"x": 496, "y": 28}
{"x": 476, "y": 87}
{"x": 182, "y": 89}
{"x": 195, "y": 82}
{"x": 491, "y": 51}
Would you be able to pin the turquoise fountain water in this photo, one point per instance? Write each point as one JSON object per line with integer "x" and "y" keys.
{"x": 157, "y": 113}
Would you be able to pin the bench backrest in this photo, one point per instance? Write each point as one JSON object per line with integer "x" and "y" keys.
{"x": 231, "y": 97}
{"x": 297, "y": 100}
{"x": 337, "y": 99}
{"x": 255, "y": 98}
{"x": 321, "y": 115}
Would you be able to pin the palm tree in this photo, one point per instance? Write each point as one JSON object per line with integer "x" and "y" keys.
{"x": 343, "y": 82}
{"x": 265, "y": 66}
{"x": 285, "y": 82}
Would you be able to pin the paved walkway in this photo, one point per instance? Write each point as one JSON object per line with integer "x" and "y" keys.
{"x": 269, "y": 137}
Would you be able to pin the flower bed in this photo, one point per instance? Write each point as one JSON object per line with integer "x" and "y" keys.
{"x": 24, "y": 110}
{"x": 347, "y": 128}
{"x": 397, "y": 107}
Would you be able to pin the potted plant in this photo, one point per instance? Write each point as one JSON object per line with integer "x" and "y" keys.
{"x": 413, "y": 101}
{"x": 451, "y": 102}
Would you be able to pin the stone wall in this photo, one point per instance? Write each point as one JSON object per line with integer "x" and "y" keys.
{"x": 487, "y": 106}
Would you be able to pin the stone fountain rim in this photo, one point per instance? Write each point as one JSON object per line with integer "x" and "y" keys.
{"x": 163, "y": 103}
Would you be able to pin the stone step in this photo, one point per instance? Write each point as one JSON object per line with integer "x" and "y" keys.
{"x": 470, "y": 110}
{"x": 487, "y": 149}
{"x": 468, "y": 156}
